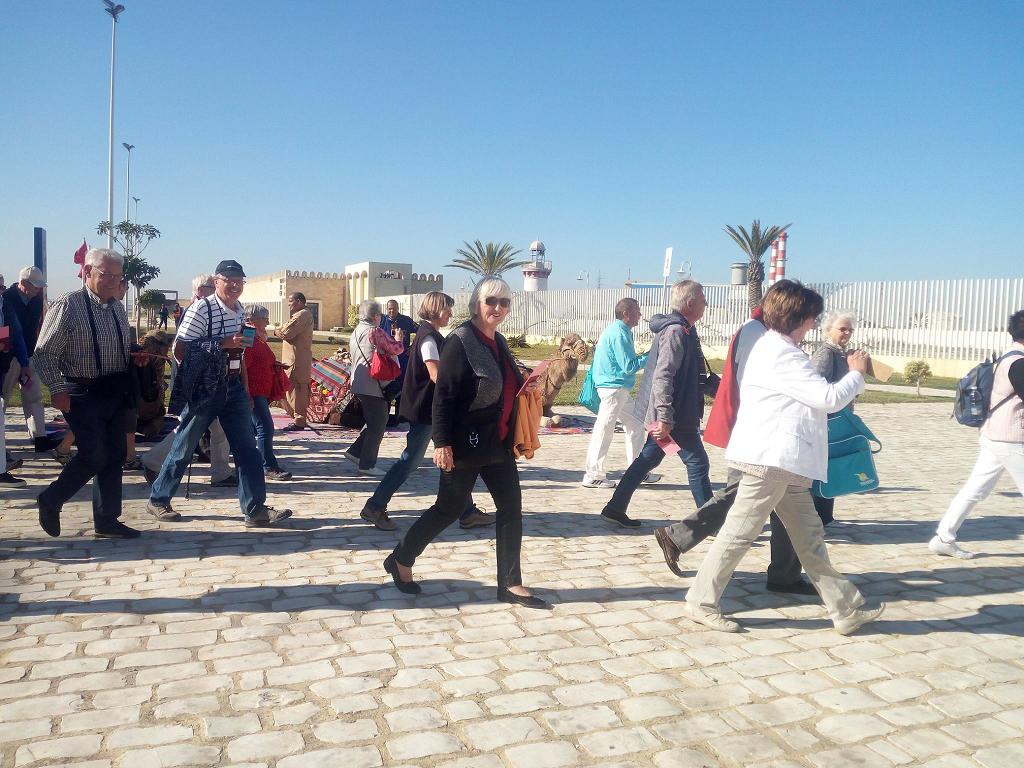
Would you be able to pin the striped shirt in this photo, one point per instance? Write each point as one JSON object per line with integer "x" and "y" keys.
{"x": 65, "y": 348}
{"x": 196, "y": 323}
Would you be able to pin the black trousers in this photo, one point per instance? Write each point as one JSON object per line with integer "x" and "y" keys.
{"x": 785, "y": 565}
{"x": 453, "y": 494}
{"x": 101, "y": 424}
{"x": 824, "y": 507}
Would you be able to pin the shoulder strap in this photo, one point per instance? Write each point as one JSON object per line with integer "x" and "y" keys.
{"x": 1009, "y": 397}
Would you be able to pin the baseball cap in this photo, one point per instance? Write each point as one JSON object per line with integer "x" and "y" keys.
{"x": 229, "y": 268}
{"x": 33, "y": 275}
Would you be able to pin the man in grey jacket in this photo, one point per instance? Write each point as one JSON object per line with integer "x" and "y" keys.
{"x": 670, "y": 402}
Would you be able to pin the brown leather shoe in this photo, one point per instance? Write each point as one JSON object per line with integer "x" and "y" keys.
{"x": 669, "y": 550}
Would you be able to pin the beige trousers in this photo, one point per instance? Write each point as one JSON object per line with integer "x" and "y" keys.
{"x": 755, "y": 500}
{"x": 298, "y": 400}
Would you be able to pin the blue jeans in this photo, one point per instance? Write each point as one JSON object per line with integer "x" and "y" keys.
{"x": 415, "y": 448}
{"x": 230, "y": 404}
{"x": 693, "y": 455}
{"x": 263, "y": 423}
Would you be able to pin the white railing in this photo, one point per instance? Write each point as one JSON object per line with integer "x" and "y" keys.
{"x": 931, "y": 319}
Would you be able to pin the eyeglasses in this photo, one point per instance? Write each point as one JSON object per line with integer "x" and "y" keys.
{"x": 233, "y": 281}
{"x": 494, "y": 301}
{"x": 119, "y": 276}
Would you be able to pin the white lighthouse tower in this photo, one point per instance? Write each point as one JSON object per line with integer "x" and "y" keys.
{"x": 536, "y": 271}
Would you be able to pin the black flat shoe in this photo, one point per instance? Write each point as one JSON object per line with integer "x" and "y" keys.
{"x": 798, "y": 587}
{"x": 408, "y": 587}
{"x": 527, "y": 601}
{"x": 49, "y": 518}
{"x": 620, "y": 518}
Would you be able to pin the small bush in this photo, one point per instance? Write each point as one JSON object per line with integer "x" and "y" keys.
{"x": 517, "y": 342}
{"x": 916, "y": 372}
{"x": 353, "y": 316}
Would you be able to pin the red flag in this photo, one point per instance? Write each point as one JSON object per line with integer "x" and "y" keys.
{"x": 80, "y": 256}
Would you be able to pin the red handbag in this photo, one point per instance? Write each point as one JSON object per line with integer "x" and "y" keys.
{"x": 384, "y": 367}
{"x": 281, "y": 384}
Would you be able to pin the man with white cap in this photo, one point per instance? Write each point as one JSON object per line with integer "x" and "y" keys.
{"x": 25, "y": 299}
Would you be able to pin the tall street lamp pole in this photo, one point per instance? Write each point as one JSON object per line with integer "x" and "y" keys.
{"x": 136, "y": 199}
{"x": 114, "y": 11}
{"x": 128, "y": 180}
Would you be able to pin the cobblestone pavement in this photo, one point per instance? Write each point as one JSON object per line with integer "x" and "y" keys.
{"x": 207, "y": 644}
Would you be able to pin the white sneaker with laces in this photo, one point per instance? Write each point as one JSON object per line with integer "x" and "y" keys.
{"x": 710, "y": 619}
{"x": 850, "y": 624}
{"x": 950, "y": 549}
{"x": 372, "y": 472}
{"x": 603, "y": 483}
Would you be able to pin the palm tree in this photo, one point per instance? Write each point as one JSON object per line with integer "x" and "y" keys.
{"x": 754, "y": 244}
{"x": 486, "y": 259}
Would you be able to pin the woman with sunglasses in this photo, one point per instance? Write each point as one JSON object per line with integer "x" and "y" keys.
{"x": 473, "y": 415}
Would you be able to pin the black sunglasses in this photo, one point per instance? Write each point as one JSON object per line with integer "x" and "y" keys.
{"x": 494, "y": 301}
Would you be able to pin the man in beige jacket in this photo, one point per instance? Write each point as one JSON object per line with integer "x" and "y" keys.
{"x": 297, "y": 355}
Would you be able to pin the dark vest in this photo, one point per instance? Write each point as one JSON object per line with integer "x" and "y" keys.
{"x": 418, "y": 389}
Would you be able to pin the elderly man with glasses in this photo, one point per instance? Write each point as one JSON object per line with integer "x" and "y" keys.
{"x": 83, "y": 356}
{"x": 211, "y": 343}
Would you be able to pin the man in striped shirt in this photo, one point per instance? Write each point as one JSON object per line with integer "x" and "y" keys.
{"x": 83, "y": 356}
{"x": 217, "y": 322}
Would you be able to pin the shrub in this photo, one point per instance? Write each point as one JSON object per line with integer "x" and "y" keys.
{"x": 353, "y": 316}
{"x": 916, "y": 372}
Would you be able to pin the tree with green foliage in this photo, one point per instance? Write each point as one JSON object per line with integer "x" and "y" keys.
{"x": 487, "y": 259}
{"x": 754, "y": 244}
{"x": 916, "y": 372}
{"x": 151, "y": 301}
{"x": 133, "y": 239}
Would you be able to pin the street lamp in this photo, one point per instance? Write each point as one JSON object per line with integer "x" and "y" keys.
{"x": 128, "y": 179}
{"x": 584, "y": 274}
{"x": 136, "y": 209}
{"x": 114, "y": 11}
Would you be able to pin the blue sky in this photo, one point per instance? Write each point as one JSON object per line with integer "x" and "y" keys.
{"x": 313, "y": 134}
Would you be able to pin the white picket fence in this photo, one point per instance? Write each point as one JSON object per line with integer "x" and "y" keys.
{"x": 932, "y": 319}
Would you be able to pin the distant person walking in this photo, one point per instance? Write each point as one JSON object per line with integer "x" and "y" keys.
{"x": 1001, "y": 445}
{"x": 164, "y": 314}
{"x": 297, "y": 355}
{"x": 12, "y": 343}
{"x": 829, "y": 361}
{"x": 24, "y": 301}
{"x": 368, "y": 337}
{"x": 259, "y": 367}
{"x": 614, "y": 370}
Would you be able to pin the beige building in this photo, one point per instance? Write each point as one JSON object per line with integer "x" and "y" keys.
{"x": 326, "y": 295}
{"x": 330, "y": 294}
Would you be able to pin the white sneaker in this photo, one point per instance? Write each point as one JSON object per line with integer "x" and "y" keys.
{"x": 604, "y": 483}
{"x": 352, "y": 458}
{"x": 710, "y": 619}
{"x": 950, "y": 549}
{"x": 850, "y": 624}
{"x": 652, "y": 477}
{"x": 373, "y": 472}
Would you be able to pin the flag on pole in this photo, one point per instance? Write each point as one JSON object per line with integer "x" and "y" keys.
{"x": 80, "y": 258}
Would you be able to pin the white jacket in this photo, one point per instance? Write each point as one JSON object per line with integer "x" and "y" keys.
{"x": 782, "y": 421}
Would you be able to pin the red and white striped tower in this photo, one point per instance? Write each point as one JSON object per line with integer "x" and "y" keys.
{"x": 771, "y": 262}
{"x": 780, "y": 265}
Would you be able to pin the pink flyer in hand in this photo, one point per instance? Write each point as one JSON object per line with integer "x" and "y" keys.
{"x": 667, "y": 444}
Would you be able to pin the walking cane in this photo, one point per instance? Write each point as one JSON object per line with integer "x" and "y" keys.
{"x": 188, "y": 482}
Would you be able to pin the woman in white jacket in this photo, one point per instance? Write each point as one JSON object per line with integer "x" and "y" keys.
{"x": 780, "y": 443}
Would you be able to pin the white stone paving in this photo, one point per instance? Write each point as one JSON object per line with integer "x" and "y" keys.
{"x": 206, "y": 644}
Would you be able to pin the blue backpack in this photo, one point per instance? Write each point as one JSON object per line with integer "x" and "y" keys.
{"x": 974, "y": 392}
